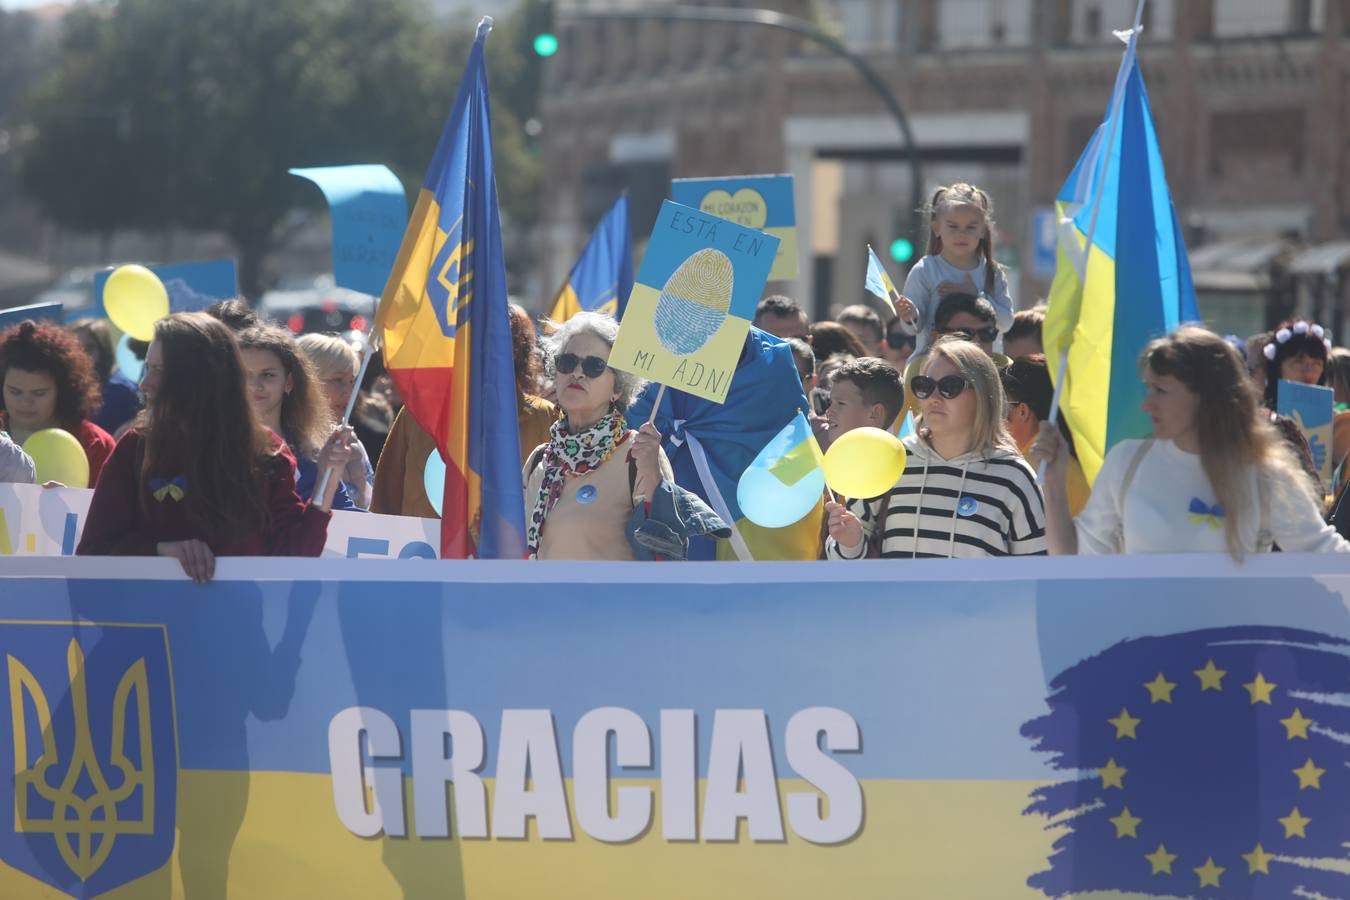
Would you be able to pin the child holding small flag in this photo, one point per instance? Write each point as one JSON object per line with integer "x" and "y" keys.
{"x": 960, "y": 258}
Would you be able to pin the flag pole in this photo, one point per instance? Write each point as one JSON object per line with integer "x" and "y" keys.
{"x": 1116, "y": 104}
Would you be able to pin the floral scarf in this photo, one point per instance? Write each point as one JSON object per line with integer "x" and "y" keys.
{"x": 574, "y": 454}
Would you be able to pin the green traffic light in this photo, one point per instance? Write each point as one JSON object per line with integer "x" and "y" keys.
{"x": 902, "y": 250}
{"x": 546, "y": 44}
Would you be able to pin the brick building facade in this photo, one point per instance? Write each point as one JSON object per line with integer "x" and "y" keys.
{"x": 1249, "y": 98}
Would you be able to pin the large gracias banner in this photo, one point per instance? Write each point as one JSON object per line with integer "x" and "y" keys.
{"x": 980, "y": 729}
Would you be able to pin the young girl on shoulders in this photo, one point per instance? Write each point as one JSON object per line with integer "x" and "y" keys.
{"x": 960, "y": 258}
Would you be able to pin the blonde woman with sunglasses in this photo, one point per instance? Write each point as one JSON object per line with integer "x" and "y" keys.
{"x": 966, "y": 492}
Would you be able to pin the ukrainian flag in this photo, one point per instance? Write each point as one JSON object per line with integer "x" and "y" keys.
{"x": 602, "y": 277}
{"x": 1123, "y": 278}
{"x": 879, "y": 282}
{"x": 447, "y": 335}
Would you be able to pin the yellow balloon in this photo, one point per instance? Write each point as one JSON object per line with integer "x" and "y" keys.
{"x": 864, "y": 463}
{"x": 135, "y": 300}
{"x": 59, "y": 457}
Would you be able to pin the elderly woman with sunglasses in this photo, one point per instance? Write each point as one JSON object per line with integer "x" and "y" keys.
{"x": 581, "y": 487}
{"x": 966, "y": 491}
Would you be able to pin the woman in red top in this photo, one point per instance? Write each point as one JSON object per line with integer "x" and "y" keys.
{"x": 198, "y": 476}
{"x": 49, "y": 382}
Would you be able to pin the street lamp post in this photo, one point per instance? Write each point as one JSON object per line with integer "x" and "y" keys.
{"x": 768, "y": 18}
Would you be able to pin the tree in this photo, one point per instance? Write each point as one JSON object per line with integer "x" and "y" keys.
{"x": 189, "y": 112}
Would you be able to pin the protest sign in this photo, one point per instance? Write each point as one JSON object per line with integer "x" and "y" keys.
{"x": 985, "y": 729}
{"x": 763, "y": 202}
{"x": 36, "y": 521}
{"x": 192, "y": 286}
{"x": 369, "y": 212}
{"x": 691, "y": 307}
{"x": 1312, "y": 408}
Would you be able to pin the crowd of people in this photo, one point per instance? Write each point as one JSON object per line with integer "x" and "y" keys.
{"x": 240, "y": 438}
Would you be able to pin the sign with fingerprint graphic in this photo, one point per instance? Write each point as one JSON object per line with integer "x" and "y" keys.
{"x": 764, "y": 202}
{"x": 693, "y": 300}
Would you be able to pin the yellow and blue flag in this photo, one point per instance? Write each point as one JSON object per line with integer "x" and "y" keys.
{"x": 786, "y": 480}
{"x": 447, "y": 334}
{"x": 879, "y": 282}
{"x": 602, "y": 277}
{"x": 1123, "y": 278}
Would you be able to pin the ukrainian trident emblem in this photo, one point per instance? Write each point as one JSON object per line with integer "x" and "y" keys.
{"x": 93, "y": 754}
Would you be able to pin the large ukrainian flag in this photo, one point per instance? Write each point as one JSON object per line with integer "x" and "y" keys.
{"x": 1123, "y": 278}
{"x": 447, "y": 334}
{"x": 602, "y": 277}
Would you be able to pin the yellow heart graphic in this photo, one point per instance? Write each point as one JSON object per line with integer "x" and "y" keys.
{"x": 746, "y": 208}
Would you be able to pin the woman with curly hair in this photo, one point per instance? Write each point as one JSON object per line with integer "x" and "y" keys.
{"x": 285, "y": 394}
{"x": 49, "y": 382}
{"x": 199, "y": 476}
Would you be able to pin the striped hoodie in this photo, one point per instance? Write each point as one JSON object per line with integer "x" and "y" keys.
{"x": 970, "y": 506}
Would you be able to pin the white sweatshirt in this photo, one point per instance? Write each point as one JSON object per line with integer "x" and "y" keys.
{"x": 969, "y": 506}
{"x": 1170, "y": 508}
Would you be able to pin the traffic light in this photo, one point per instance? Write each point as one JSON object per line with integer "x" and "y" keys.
{"x": 902, "y": 250}
{"x": 545, "y": 44}
{"x": 540, "y": 17}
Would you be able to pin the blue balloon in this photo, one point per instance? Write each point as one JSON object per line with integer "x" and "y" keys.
{"x": 433, "y": 479}
{"x": 786, "y": 480}
{"x": 131, "y": 367}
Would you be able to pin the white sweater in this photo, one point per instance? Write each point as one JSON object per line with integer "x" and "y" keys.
{"x": 1170, "y": 508}
{"x": 970, "y": 506}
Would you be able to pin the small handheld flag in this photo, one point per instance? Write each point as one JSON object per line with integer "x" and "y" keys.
{"x": 879, "y": 283}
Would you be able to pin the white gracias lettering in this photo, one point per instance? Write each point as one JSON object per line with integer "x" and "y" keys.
{"x": 448, "y": 747}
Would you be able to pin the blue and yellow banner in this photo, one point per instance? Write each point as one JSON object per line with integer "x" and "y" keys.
{"x": 763, "y": 202}
{"x": 602, "y": 277}
{"x": 356, "y": 728}
{"x": 691, "y": 307}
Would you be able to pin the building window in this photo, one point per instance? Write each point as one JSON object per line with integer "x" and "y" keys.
{"x": 984, "y": 23}
{"x": 868, "y": 24}
{"x": 1254, "y": 18}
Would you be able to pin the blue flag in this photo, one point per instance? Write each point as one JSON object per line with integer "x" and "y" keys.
{"x": 602, "y": 277}
{"x": 447, "y": 331}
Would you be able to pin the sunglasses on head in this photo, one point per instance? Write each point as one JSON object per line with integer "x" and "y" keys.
{"x": 591, "y": 366}
{"x": 949, "y": 386}
{"x": 983, "y": 335}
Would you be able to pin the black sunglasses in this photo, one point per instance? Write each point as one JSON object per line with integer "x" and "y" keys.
{"x": 984, "y": 335}
{"x": 949, "y": 386}
{"x": 591, "y": 366}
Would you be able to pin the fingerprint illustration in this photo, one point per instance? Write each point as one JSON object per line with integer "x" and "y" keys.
{"x": 694, "y": 302}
